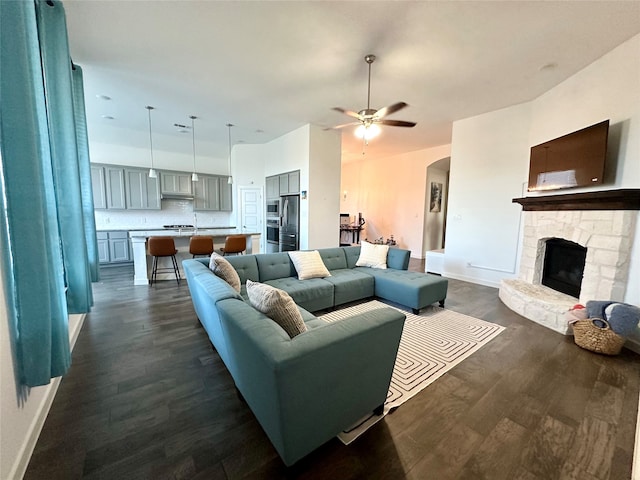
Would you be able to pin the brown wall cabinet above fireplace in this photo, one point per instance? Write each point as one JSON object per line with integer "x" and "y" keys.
{"x": 622, "y": 199}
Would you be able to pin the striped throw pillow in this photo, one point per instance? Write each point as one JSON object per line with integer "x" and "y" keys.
{"x": 309, "y": 265}
{"x": 223, "y": 269}
{"x": 277, "y": 305}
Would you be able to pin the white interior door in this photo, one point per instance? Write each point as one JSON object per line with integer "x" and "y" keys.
{"x": 251, "y": 212}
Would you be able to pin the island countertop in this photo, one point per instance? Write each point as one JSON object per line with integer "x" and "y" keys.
{"x": 149, "y": 228}
{"x": 188, "y": 232}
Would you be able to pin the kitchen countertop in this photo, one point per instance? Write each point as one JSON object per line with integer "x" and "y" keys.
{"x": 147, "y": 229}
{"x": 187, "y": 232}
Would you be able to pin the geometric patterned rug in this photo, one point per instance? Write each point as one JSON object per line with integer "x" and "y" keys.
{"x": 432, "y": 343}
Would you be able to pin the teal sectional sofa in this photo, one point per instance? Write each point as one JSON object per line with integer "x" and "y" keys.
{"x": 305, "y": 390}
{"x": 347, "y": 282}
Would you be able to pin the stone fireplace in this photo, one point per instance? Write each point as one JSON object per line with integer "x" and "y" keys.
{"x": 601, "y": 222}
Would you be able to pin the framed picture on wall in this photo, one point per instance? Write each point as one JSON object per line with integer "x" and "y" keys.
{"x": 435, "y": 205}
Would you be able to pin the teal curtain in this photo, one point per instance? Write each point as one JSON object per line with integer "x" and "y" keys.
{"x": 32, "y": 260}
{"x": 43, "y": 218}
{"x": 58, "y": 88}
{"x": 84, "y": 166}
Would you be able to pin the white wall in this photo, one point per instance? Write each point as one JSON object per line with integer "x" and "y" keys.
{"x": 308, "y": 149}
{"x": 390, "y": 193}
{"x": 490, "y": 158}
{"x": 118, "y": 154}
{"x": 323, "y": 194}
{"x": 489, "y": 162}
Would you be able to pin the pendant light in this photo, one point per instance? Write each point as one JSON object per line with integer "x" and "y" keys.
{"x": 152, "y": 171}
{"x": 230, "y": 179}
{"x": 194, "y": 175}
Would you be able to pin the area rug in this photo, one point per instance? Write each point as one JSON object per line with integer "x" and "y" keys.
{"x": 432, "y": 343}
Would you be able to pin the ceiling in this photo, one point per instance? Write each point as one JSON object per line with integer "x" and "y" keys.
{"x": 270, "y": 67}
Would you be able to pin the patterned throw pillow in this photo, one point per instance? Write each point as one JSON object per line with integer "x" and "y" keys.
{"x": 371, "y": 255}
{"x": 277, "y": 305}
{"x": 223, "y": 269}
{"x": 309, "y": 265}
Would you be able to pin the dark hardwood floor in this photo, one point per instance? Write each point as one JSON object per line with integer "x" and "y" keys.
{"x": 147, "y": 397}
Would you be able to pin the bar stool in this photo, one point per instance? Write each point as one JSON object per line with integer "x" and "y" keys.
{"x": 163, "y": 247}
{"x": 234, "y": 244}
{"x": 201, "y": 245}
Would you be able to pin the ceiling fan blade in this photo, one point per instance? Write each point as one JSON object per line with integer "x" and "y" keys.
{"x": 397, "y": 123}
{"x": 350, "y": 124}
{"x": 383, "y": 112}
{"x": 348, "y": 112}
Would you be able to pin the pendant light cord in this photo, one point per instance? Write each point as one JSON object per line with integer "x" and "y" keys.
{"x": 229, "y": 125}
{"x": 149, "y": 108}
{"x": 193, "y": 140}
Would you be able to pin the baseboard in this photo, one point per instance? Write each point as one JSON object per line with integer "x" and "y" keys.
{"x": 33, "y": 432}
{"x": 635, "y": 468}
{"x": 475, "y": 280}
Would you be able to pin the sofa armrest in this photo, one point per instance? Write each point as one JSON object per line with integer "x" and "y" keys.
{"x": 305, "y": 390}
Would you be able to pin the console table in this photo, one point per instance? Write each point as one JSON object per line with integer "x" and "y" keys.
{"x": 351, "y": 230}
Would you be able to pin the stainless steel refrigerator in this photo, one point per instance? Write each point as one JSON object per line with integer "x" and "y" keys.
{"x": 289, "y": 222}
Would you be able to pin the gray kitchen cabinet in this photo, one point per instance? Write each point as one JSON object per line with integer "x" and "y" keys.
{"x": 212, "y": 193}
{"x": 142, "y": 192}
{"x": 294, "y": 182}
{"x": 272, "y": 185}
{"x": 175, "y": 183}
{"x": 103, "y": 247}
{"x": 113, "y": 247}
{"x": 226, "y": 195}
{"x": 289, "y": 183}
{"x": 115, "y": 191}
{"x": 98, "y": 185}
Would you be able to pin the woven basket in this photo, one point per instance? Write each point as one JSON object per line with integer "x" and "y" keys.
{"x": 589, "y": 335}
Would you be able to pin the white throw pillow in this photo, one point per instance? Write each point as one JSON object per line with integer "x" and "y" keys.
{"x": 277, "y": 305}
{"x": 309, "y": 265}
{"x": 371, "y": 255}
{"x": 223, "y": 269}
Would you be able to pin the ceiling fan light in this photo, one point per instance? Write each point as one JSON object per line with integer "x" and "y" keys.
{"x": 367, "y": 132}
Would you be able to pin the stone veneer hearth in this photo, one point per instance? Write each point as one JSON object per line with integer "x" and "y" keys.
{"x": 607, "y": 235}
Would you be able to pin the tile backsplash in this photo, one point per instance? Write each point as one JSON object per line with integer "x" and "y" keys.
{"x": 174, "y": 212}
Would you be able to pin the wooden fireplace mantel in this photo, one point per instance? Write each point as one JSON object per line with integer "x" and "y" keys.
{"x": 623, "y": 199}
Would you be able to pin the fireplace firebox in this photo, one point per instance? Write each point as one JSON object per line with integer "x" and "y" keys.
{"x": 564, "y": 266}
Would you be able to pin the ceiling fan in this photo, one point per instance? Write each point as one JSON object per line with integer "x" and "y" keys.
{"x": 369, "y": 118}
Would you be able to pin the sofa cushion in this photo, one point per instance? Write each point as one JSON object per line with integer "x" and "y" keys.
{"x": 351, "y": 254}
{"x": 333, "y": 258}
{"x": 411, "y": 289}
{"x": 246, "y": 266}
{"x": 350, "y": 285}
{"x": 277, "y": 305}
{"x": 275, "y": 265}
{"x": 223, "y": 269}
{"x": 308, "y": 265}
{"x": 398, "y": 258}
{"x": 313, "y": 294}
{"x": 371, "y": 255}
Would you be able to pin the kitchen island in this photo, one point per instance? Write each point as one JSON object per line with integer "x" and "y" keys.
{"x": 181, "y": 236}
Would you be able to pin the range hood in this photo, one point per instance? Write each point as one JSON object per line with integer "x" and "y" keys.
{"x": 176, "y": 196}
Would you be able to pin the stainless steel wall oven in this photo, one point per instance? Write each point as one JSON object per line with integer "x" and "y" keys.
{"x": 273, "y": 234}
